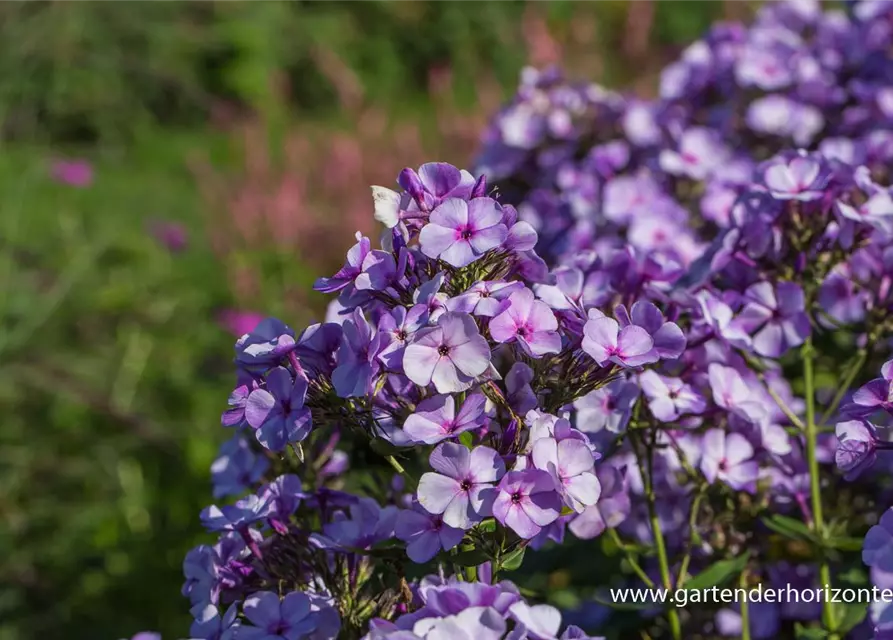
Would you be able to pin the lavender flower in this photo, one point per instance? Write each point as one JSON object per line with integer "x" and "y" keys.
{"x": 462, "y": 489}
{"x": 529, "y": 322}
{"x": 459, "y": 232}
{"x": 436, "y": 419}
{"x": 527, "y": 502}
{"x": 425, "y": 535}
{"x": 605, "y": 341}
{"x": 728, "y": 457}
{"x": 277, "y": 412}
{"x": 450, "y": 355}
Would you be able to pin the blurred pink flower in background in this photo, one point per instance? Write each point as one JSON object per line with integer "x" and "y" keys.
{"x": 171, "y": 235}
{"x": 75, "y": 173}
{"x": 238, "y": 322}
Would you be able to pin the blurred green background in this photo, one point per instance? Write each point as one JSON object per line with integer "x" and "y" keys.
{"x": 167, "y": 166}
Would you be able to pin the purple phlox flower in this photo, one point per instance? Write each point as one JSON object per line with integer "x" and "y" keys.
{"x": 779, "y": 115}
{"x": 425, "y": 535}
{"x": 200, "y": 568}
{"x": 380, "y": 271}
{"x": 857, "y": 447}
{"x": 238, "y": 400}
{"x": 733, "y": 394}
{"x": 462, "y": 489}
{"x": 475, "y": 623}
{"x": 612, "y": 508}
{"x": 567, "y": 292}
{"x": 640, "y": 124}
{"x": 570, "y": 463}
{"x": 718, "y": 316}
{"x": 877, "y": 550}
{"x": 365, "y": 524}
{"x": 317, "y": 346}
{"x": 546, "y": 425}
{"x": 358, "y": 361}
{"x": 265, "y": 346}
{"x": 520, "y": 394}
{"x": 605, "y": 341}
{"x": 700, "y": 152}
{"x": 443, "y": 598}
{"x": 764, "y": 67}
{"x": 625, "y": 197}
{"x": 776, "y": 316}
{"x": 765, "y": 621}
{"x": 74, "y": 173}
{"x": 841, "y": 298}
{"x": 530, "y": 322}
{"x": 527, "y": 502}
{"x": 277, "y": 412}
{"x": 875, "y": 395}
{"x": 487, "y": 298}
{"x": 669, "y": 398}
{"x": 273, "y": 619}
{"x": 235, "y": 517}
{"x": 606, "y": 409}
{"x": 795, "y": 177}
{"x": 728, "y": 457}
{"x": 400, "y": 325}
{"x": 146, "y": 635}
{"x": 541, "y": 622}
{"x": 436, "y": 419}
{"x": 669, "y": 341}
{"x": 284, "y": 494}
{"x": 876, "y": 211}
{"x": 236, "y": 468}
{"x": 459, "y": 232}
{"x": 451, "y": 354}
{"x": 208, "y": 624}
{"x": 345, "y": 276}
{"x": 434, "y": 183}
{"x": 522, "y": 237}
{"x": 430, "y": 296}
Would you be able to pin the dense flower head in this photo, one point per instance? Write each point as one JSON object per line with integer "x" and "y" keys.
{"x": 647, "y": 321}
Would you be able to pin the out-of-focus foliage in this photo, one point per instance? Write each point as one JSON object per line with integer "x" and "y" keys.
{"x": 94, "y": 71}
{"x": 242, "y": 122}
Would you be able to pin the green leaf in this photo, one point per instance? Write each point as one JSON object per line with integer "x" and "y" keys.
{"x": 466, "y": 439}
{"x": 853, "y": 614}
{"x": 718, "y": 573}
{"x": 845, "y": 543}
{"x": 487, "y": 526}
{"x": 789, "y": 527}
{"x": 470, "y": 558}
{"x": 809, "y": 633}
{"x": 512, "y": 561}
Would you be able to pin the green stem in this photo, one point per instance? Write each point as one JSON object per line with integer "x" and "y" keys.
{"x": 631, "y": 559}
{"x": 660, "y": 545}
{"x": 844, "y": 386}
{"x": 398, "y": 467}
{"x": 815, "y": 480}
{"x": 692, "y": 535}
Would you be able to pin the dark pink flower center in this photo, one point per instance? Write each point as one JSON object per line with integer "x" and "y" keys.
{"x": 723, "y": 465}
{"x": 465, "y": 485}
{"x": 443, "y": 350}
{"x": 466, "y": 232}
{"x": 516, "y": 497}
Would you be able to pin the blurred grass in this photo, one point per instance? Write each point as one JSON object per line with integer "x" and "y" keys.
{"x": 114, "y": 368}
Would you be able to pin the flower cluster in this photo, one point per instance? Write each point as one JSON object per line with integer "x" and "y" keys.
{"x": 652, "y": 350}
